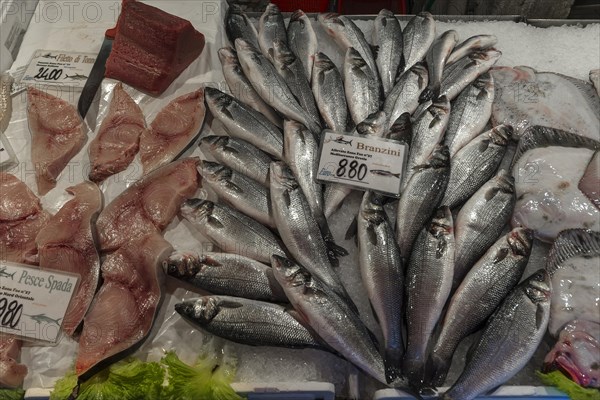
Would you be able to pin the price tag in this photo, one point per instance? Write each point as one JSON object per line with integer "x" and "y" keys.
{"x": 33, "y": 302}
{"x": 367, "y": 163}
{"x": 59, "y": 68}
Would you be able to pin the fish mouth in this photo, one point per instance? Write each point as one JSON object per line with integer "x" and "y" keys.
{"x": 539, "y": 288}
{"x": 501, "y": 134}
{"x": 228, "y": 55}
{"x": 243, "y": 45}
{"x": 520, "y": 241}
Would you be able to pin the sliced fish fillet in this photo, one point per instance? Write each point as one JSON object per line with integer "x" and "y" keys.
{"x": 12, "y": 373}
{"x": 124, "y": 308}
{"x": 67, "y": 244}
{"x": 174, "y": 128}
{"x": 118, "y": 137}
{"x": 148, "y": 205}
{"x": 57, "y": 134}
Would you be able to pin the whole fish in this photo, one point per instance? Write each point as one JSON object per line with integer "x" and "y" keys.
{"x": 299, "y": 229}
{"x": 471, "y": 112}
{"x": 250, "y": 322}
{"x": 509, "y": 340}
{"x": 436, "y": 60}
{"x": 292, "y": 71}
{"x": 382, "y": 275}
{"x": 387, "y": 36}
{"x": 346, "y": 34}
{"x": 421, "y": 197}
{"x": 481, "y": 220}
{"x": 428, "y": 285}
{"x": 331, "y": 317}
{"x": 428, "y": 131}
{"x": 232, "y": 231}
{"x": 239, "y": 155}
{"x": 360, "y": 85}
{"x": 241, "y": 88}
{"x": 225, "y": 274}
{"x": 244, "y": 122}
{"x": 480, "y": 293}
{"x": 270, "y": 85}
{"x": 328, "y": 91}
{"x": 475, "y": 163}
{"x": 238, "y": 191}
{"x": 404, "y": 96}
{"x": 418, "y": 34}
{"x": 6, "y": 82}
{"x": 470, "y": 46}
{"x": 461, "y": 74}
{"x": 303, "y": 40}
{"x": 271, "y": 28}
{"x": 374, "y": 125}
{"x": 238, "y": 25}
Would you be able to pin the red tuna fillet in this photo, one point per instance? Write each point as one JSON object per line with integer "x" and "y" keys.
{"x": 57, "y": 136}
{"x": 151, "y": 47}
{"x": 66, "y": 243}
{"x": 148, "y": 205}
{"x": 118, "y": 138}
{"x": 12, "y": 373}
{"x": 124, "y": 308}
{"x": 172, "y": 130}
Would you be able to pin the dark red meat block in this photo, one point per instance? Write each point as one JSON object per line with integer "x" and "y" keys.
{"x": 151, "y": 47}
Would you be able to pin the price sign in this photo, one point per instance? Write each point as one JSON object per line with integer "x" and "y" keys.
{"x": 33, "y": 302}
{"x": 58, "y": 68}
{"x": 366, "y": 163}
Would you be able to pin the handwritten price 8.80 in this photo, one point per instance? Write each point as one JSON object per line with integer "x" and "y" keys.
{"x": 352, "y": 171}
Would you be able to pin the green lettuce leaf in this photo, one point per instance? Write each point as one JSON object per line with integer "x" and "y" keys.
{"x": 565, "y": 384}
{"x": 12, "y": 394}
{"x": 207, "y": 379}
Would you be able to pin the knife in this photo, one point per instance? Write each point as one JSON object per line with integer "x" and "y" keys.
{"x": 96, "y": 75}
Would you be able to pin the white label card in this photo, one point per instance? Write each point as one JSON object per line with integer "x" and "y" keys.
{"x": 59, "y": 68}
{"x": 364, "y": 162}
{"x": 33, "y": 302}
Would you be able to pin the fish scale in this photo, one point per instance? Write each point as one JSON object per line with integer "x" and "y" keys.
{"x": 387, "y": 36}
{"x": 418, "y": 36}
{"x": 271, "y": 28}
{"x": 303, "y": 40}
{"x": 404, "y": 96}
{"x": 360, "y": 85}
{"x": 328, "y": 90}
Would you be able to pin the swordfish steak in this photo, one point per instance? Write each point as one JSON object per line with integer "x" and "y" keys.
{"x": 12, "y": 373}
{"x": 57, "y": 134}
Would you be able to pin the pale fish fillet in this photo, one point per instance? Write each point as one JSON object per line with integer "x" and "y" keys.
{"x": 12, "y": 373}
{"x": 123, "y": 311}
{"x": 57, "y": 134}
{"x": 118, "y": 138}
{"x": 173, "y": 129}
{"x": 148, "y": 205}
{"x": 67, "y": 244}
{"x": 525, "y": 97}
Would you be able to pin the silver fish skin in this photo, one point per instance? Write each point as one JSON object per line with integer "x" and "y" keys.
{"x": 271, "y": 86}
{"x": 291, "y": 70}
{"x": 225, "y": 274}
{"x": 475, "y": 163}
{"x": 436, "y": 60}
{"x": 360, "y": 85}
{"x": 428, "y": 131}
{"x": 241, "y": 88}
{"x": 299, "y": 229}
{"x": 509, "y": 340}
{"x": 238, "y": 25}
{"x": 239, "y": 155}
{"x": 6, "y": 81}
{"x": 250, "y": 322}
{"x": 471, "y": 111}
{"x": 238, "y": 191}
{"x": 333, "y": 320}
{"x": 470, "y": 46}
{"x": 271, "y": 28}
{"x": 461, "y": 74}
{"x": 382, "y": 275}
{"x": 428, "y": 285}
{"x": 303, "y": 40}
{"x": 328, "y": 90}
{"x": 232, "y": 231}
{"x": 418, "y": 35}
{"x": 404, "y": 96}
{"x": 480, "y": 221}
{"x": 244, "y": 122}
{"x": 483, "y": 289}
{"x": 346, "y": 34}
{"x": 387, "y": 36}
{"x": 420, "y": 198}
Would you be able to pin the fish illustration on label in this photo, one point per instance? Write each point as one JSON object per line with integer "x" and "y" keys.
{"x": 4, "y": 274}
{"x": 39, "y": 318}
{"x": 382, "y": 172}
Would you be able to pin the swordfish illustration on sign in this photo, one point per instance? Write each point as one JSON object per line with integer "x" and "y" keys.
{"x": 4, "y": 274}
{"x": 39, "y": 318}
{"x": 340, "y": 140}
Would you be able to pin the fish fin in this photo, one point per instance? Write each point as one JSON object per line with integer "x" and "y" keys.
{"x": 572, "y": 243}
{"x": 336, "y": 249}
{"x": 372, "y": 336}
{"x": 211, "y": 261}
{"x": 230, "y": 304}
{"x": 490, "y": 194}
{"x": 232, "y": 186}
{"x": 375, "y": 50}
{"x": 352, "y": 229}
{"x": 539, "y": 316}
{"x": 214, "y": 222}
{"x": 500, "y": 255}
{"x": 372, "y": 235}
{"x": 438, "y": 372}
{"x": 483, "y": 145}
{"x": 230, "y": 150}
{"x": 430, "y": 93}
{"x": 434, "y": 121}
{"x": 392, "y": 361}
{"x": 286, "y": 198}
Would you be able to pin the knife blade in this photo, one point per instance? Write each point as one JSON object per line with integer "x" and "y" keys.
{"x": 96, "y": 75}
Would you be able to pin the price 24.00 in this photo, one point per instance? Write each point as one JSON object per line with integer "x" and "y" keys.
{"x": 351, "y": 170}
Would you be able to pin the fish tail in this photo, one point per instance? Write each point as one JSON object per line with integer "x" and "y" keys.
{"x": 438, "y": 371}
{"x": 350, "y": 142}
{"x": 12, "y": 276}
{"x": 430, "y": 93}
{"x": 393, "y": 362}
{"x": 414, "y": 370}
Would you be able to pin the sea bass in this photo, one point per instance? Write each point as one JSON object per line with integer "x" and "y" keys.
{"x": 303, "y": 40}
{"x": 404, "y": 96}
{"x": 387, "y": 36}
{"x": 460, "y": 75}
{"x": 360, "y": 85}
{"x": 436, "y": 60}
{"x": 238, "y": 25}
{"x": 419, "y": 34}
{"x": 328, "y": 90}
{"x": 471, "y": 45}
{"x": 271, "y": 28}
